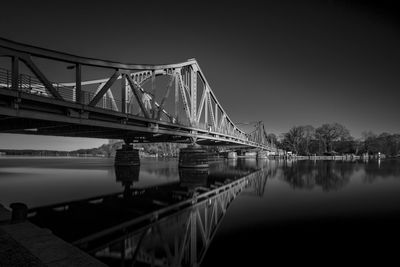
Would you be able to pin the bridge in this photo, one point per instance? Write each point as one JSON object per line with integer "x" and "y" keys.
{"x": 138, "y": 103}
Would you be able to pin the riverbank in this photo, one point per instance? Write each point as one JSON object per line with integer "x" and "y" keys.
{"x": 25, "y": 244}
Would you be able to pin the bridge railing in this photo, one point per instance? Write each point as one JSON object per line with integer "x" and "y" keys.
{"x": 31, "y": 85}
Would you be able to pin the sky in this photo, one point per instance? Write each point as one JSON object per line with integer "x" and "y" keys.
{"x": 286, "y": 63}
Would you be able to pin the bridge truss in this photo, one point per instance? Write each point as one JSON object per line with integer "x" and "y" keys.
{"x": 134, "y": 102}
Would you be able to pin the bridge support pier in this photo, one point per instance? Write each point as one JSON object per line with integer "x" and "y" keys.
{"x": 193, "y": 156}
{"x": 262, "y": 154}
{"x": 127, "y": 156}
{"x": 250, "y": 154}
{"x": 232, "y": 155}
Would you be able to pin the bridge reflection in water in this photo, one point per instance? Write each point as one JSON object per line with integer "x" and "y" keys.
{"x": 167, "y": 225}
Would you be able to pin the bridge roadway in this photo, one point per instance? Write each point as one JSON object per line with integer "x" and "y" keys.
{"x": 128, "y": 102}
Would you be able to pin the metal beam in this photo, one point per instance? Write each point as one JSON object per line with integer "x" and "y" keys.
{"x": 153, "y": 94}
{"x": 185, "y": 102}
{"x": 78, "y": 83}
{"x": 161, "y": 106}
{"x": 14, "y": 72}
{"x": 211, "y": 111}
{"x": 202, "y": 101}
{"x": 65, "y": 57}
{"x": 104, "y": 89}
{"x": 28, "y": 61}
{"x": 135, "y": 91}
{"x": 123, "y": 95}
{"x": 193, "y": 94}
{"x": 176, "y": 97}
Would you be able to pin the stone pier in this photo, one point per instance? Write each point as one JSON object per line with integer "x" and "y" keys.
{"x": 232, "y": 155}
{"x": 193, "y": 156}
{"x": 127, "y": 156}
{"x": 262, "y": 154}
{"x": 250, "y": 154}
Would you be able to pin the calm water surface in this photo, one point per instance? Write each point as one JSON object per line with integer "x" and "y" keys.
{"x": 303, "y": 212}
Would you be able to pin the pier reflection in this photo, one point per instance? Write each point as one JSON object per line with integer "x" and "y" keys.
{"x": 165, "y": 225}
{"x": 127, "y": 175}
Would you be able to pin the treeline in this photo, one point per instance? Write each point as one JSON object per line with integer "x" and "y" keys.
{"x": 33, "y": 152}
{"x": 161, "y": 149}
{"x": 334, "y": 138}
{"x": 106, "y": 150}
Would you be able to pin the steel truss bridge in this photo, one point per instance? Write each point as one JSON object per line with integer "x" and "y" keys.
{"x": 135, "y": 102}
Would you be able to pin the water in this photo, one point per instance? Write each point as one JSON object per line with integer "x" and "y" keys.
{"x": 302, "y": 212}
{"x": 44, "y": 181}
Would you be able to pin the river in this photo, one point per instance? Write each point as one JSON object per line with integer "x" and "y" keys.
{"x": 303, "y": 212}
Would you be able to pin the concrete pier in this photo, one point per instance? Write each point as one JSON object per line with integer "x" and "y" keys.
{"x": 250, "y": 154}
{"x": 193, "y": 156}
{"x": 127, "y": 156}
{"x": 262, "y": 155}
{"x": 232, "y": 155}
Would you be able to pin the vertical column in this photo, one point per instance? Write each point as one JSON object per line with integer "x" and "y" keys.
{"x": 153, "y": 92}
{"x": 123, "y": 94}
{"x": 176, "y": 95}
{"x": 193, "y": 93}
{"x": 216, "y": 116}
{"x": 206, "y": 107}
{"x": 78, "y": 84}
{"x": 14, "y": 72}
{"x": 129, "y": 96}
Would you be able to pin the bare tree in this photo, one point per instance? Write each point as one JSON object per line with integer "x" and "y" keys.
{"x": 292, "y": 140}
{"x": 328, "y": 133}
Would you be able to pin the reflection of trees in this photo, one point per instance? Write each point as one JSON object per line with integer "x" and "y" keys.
{"x": 333, "y": 175}
{"x": 381, "y": 170}
{"x": 329, "y": 175}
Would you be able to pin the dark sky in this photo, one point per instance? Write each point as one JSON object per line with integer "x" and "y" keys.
{"x": 284, "y": 62}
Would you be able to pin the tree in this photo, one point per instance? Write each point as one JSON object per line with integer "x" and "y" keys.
{"x": 272, "y": 139}
{"x": 328, "y": 133}
{"x": 293, "y": 139}
{"x": 307, "y": 137}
